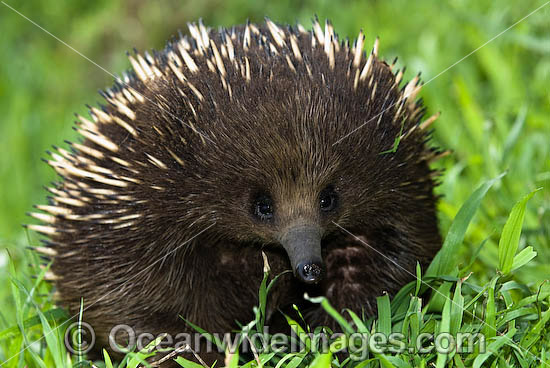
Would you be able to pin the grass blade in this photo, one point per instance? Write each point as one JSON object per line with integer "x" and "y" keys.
{"x": 444, "y": 327}
{"x": 322, "y": 361}
{"x": 445, "y": 262}
{"x": 509, "y": 240}
{"x": 107, "y": 359}
{"x": 457, "y": 309}
{"x": 523, "y": 257}
{"x": 384, "y": 314}
{"x": 346, "y": 327}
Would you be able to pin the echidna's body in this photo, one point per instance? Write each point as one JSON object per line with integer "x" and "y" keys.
{"x": 229, "y": 143}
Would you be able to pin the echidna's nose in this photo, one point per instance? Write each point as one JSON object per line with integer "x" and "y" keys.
{"x": 303, "y": 245}
{"x": 309, "y": 272}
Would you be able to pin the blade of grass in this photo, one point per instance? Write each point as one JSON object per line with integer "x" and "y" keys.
{"x": 51, "y": 315}
{"x": 418, "y": 279}
{"x": 489, "y": 327}
{"x": 56, "y": 348}
{"x": 359, "y": 324}
{"x": 523, "y": 257}
{"x": 15, "y": 289}
{"x": 331, "y": 311}
{"x": 322, "y": 361}
{"x": 207, "y": 335}
{"x": 187, "y": 363}
{"x": 444, "y": 327}
{"x": 147, "y": 352}
{"x": 535, "y": 332}
{"x": 384, "y": 314}
{"x": 107, "y": 359}
{"x": 445, "y": 261}
{"x": 509, "y": 239}
{"x": 457, "y": 309}
{"x": 494, "y": 347}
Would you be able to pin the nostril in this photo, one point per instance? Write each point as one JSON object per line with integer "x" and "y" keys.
{"x": 309, "y": 272}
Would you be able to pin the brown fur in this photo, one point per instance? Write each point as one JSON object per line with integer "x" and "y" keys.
{"x": 277, "y": 133}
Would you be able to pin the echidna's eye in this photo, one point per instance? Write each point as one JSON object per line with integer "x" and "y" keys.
{"x": 328, "y": 199}
{"x": 263, "y": 207}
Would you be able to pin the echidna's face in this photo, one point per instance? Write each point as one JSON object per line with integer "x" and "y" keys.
{"x": 287, "y": 185}
{"x": 281, "y": 176}
{"x": 298, "y": 224}
{"x": 297, "y": 214}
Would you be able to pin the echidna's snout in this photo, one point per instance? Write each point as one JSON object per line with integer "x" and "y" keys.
{"x": 303, "y": 246}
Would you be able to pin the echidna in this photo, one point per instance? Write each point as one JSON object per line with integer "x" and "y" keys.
{"x": 230, "y": 143}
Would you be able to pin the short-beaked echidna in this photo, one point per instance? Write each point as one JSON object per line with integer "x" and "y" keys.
{"x": 230, "y": 143}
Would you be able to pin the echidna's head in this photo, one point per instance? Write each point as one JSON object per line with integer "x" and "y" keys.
{"x": 295, "y": 140}
{"x": 296, "y": 158}
{"x": 285, "y": 178}
{"x": 261, "y": 136}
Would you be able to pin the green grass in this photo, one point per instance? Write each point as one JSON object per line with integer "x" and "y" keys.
{"x": 495, "y": 118}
